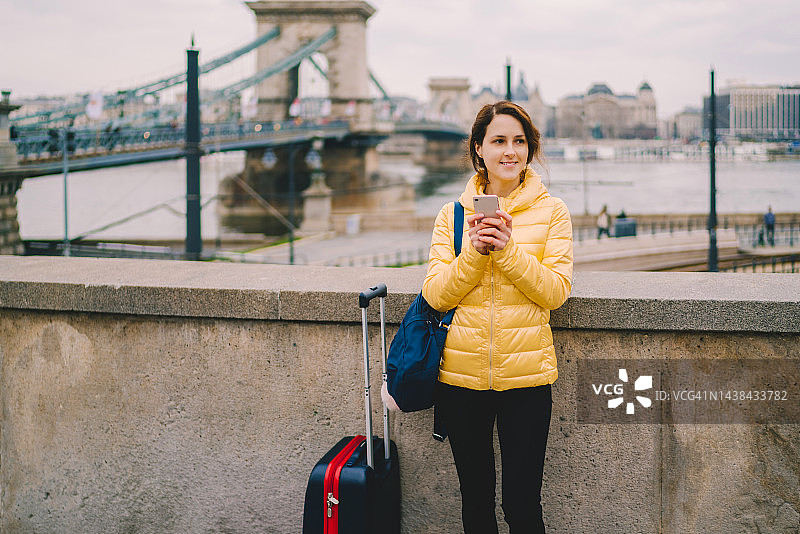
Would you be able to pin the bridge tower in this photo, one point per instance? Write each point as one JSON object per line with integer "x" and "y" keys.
{"x": 300, "y": 22}
{"x": 353, "y": 183}
{"x": 450, "y": 101}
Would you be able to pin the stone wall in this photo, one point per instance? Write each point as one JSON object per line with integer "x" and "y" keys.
{"x": 148, "y": 396}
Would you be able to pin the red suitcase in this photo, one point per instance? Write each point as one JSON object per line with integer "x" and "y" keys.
{"x": 355, "y": 486}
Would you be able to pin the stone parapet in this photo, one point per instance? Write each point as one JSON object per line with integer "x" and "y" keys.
{"x": 721, "y": 302}
{"x": 155, "y": 396}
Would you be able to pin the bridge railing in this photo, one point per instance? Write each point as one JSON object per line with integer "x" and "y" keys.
{"x": 44, "y": 144}
{"x": 96, "y": 141}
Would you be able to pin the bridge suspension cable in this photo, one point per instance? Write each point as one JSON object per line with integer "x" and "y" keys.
{"x": 318, "y": 67}
{"x": 160, "y": 85}
{"x": 113, "y": 100}
{"x": 226, "y": 93}
{"x": 279, "y": 66}
{"x": 379, "y": 86}
{"x": 371, "y": 77}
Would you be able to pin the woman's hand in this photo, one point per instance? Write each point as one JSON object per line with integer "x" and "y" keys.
{"x": 489, "y": 233}
{"x": 495, "y": 231}
{"x": 476, "y": 225}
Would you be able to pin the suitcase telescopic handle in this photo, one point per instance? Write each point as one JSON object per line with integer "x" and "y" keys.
{"x": 365, "y": 296}
{"x": 363, "y": 301}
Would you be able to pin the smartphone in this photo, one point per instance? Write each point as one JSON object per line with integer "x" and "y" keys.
{"x": 486, "y": 204}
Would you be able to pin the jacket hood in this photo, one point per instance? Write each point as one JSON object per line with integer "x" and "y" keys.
{"x": 530, "y": 191}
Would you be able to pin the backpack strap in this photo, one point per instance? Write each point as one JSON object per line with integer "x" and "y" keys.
{"x": 439, "y": 430}
{"x": 458, "y": 225}
{"x": 458, "y": 233}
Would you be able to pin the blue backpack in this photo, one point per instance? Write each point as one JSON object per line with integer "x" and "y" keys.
{"x": 416, "y": 350}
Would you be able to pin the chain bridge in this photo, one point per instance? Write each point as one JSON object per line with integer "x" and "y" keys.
{"x": 136, "y": 128}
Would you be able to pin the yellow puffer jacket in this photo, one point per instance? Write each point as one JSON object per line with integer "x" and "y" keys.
{"x": 500, "y": 337}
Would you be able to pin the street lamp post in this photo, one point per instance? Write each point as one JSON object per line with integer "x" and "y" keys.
{"x": 582, "y": 154}
{"x": 292, "y": 155}
{"x": 194, "y": 242}
{"x": 65, "y": 160}
{"x": 712, "y": 213}
{"x": 509, "y": 94}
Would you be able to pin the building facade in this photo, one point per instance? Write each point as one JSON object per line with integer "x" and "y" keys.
{"x": 686, "y": 125}
{"x": 598, "y": 114}
{"x": 765, "y": 112}
{"x": 486, "y": 95}
{"x": 756, "y": 113}
{"x": 689, "y": 124}
{"x": 543, "y": 116}
{"x": 601, "y": 114}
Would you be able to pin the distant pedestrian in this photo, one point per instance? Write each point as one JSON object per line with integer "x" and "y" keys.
{"x": 622, "y": 215}
{"x": 603, "y": 223}
{"x": 769, "y": 225}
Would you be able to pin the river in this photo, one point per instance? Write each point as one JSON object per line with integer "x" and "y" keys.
{"x": 102, "y": 197}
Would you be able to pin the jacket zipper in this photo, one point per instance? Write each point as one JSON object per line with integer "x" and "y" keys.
{"x": 491, "y": 321}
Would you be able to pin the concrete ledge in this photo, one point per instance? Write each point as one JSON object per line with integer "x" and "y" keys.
{"x": 722, "y": 302}
{"x": 600, "y": 300}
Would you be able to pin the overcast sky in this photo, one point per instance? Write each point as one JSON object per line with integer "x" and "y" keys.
{"x": 54, "y": 46}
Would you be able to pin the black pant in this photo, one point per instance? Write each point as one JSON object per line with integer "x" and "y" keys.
{"x": 523, "y": 421}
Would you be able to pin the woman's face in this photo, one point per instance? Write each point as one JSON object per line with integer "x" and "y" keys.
{"x": 504, "y": 149}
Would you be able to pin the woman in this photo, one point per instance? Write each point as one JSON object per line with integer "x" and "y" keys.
{"x": 499, "y": 360}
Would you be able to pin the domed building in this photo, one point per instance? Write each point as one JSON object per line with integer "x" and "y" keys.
{"x": 601, "y": 114}
{"x": 520, "y": 93}
{"x": 541, "y": 113}
{"x": 599, "y": 89}
{"x": 644, "y": 122}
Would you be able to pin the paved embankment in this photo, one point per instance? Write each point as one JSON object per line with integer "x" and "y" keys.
{"x": 645, "y": 252}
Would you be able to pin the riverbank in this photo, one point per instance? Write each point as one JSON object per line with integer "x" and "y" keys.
{"x": 105, "y": 203}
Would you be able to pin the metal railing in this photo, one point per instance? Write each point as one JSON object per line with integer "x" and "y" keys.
{"x": 775, "y": 264}
{"x": 687, "y": 224}
{"x": 92, "y": 142}
{"x": 151, "y": 252}
{"x": 748, "y": 235}
{"x": 399, "y": 258}
{"x": 102, "y": 250}
{"x": 756, "y": 235}
{"x": 249, "y": 257}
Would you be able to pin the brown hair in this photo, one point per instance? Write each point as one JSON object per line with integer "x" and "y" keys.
{"x": 482, "y": 120}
